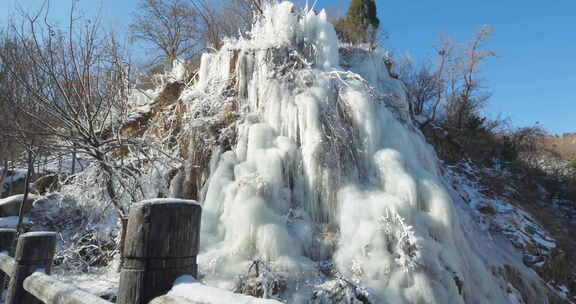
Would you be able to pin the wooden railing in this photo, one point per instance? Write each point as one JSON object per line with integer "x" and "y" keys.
{"x": 161, "y": 245}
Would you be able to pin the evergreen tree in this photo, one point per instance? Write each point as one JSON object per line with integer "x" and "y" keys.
{"x": 361, "y": 21}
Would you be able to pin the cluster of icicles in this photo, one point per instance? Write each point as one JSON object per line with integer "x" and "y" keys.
{"x": 327, "y": 170}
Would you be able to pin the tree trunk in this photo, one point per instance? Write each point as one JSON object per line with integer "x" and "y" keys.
{"x": 119, "y": 209}
{"x": 74, "y": 159}
{"x": 4, "y": 175}
{"x": 26, "y": 190}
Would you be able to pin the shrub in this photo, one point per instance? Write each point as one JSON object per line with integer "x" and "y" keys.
{"x": 361, "y": 23}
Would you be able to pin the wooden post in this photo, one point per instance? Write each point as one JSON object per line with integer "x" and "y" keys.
{"x": 34, "y": 252}
{"x": 7, "y": 237}
{"x": 124, "y": 227}
{"x": 161, "y": 245}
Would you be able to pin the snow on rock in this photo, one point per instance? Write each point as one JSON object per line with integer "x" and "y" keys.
{"x": 189, "y": 288}
{"x": 554, "y": 166}
{"x": 500, "y": 217}
{"x": 142, "y": 105}
{"x": 178, "y": 72}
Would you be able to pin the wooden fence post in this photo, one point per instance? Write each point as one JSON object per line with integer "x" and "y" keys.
{"x": 7, "y": 237}
{"x": 34, "y": 251}
{"x": 161, "y": 245}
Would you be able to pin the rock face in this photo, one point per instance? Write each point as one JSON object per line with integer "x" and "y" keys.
{"x": 140, "y": 121}
{"x": 10, "y": 206}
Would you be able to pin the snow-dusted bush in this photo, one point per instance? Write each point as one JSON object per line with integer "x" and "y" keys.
{"x": 86, "y": 227}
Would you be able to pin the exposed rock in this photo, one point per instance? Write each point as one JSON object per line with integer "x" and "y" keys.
{"x": 46, "y": 183}
{"x": 139, "y": 124}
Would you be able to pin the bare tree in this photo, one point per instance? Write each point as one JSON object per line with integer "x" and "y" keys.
{"x": 169, "y": 25}
{"x": 17, "y": 132}
{"x": 423, "y": 86}
{"x": 466, "y": 96}
{"x": 70, "y": 88}
{"x": 231, "y": 19}
{"x": 452, "y": 86}
{"x": 426, "y": 86}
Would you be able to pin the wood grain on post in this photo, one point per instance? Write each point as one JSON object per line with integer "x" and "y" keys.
{"x": 34, "y": 252}
{"x": 7, "y": 237}
{"x": 161, "y": 245}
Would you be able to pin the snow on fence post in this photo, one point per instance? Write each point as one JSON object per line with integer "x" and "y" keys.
{"x": 7, "y": 237}
{"x": 162, "y": 241}
{"x": 34, "y": 252}
{"x": 49, "y": 290}
{"x": 171, "y": 300}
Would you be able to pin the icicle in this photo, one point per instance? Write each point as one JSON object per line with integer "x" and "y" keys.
{"x": 327, "y": 170}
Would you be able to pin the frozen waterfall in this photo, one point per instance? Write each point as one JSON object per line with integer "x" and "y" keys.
{"x": 329, "y": 184}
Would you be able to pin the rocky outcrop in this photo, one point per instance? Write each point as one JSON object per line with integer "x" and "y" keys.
{"x": 140, "y": 121}
{"x": 46, "y": 183}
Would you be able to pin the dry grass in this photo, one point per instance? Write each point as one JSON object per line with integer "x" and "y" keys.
{"x": 563, "y": 146}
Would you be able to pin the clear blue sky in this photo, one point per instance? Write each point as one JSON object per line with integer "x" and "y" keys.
{"x": 532, "y": 79}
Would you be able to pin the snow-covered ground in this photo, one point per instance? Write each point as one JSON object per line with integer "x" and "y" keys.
{"x": 499, "y": 217}
{"x": 12, "y": 221}
{"x": 189, "y": 288}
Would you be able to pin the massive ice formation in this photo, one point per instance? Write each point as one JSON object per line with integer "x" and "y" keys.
{"x": 328, "y": 181}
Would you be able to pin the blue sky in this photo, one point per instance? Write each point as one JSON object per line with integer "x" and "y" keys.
{"x": 533, "y": 78}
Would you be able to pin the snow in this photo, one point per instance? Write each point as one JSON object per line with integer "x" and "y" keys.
{"x": 142, "y": 98}
{"x": 19, "y": 197}
{"x": 178, "y": 71}
{"x": 514, "y": 296}
{"x": 169, "y": 201}
{"x": 189, "y": 288}
{"x": 11, "y": 205}
{"x": 12, "y": 221}
{"x": 499, "y": 216}
{"x": 38, "y": 233}
{"x": 100, "y": 283}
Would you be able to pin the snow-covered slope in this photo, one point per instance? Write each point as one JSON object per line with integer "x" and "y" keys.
{"x": 327, "y": 187}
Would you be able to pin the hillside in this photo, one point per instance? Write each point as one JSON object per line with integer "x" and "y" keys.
{"x": 563, "y": 146}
